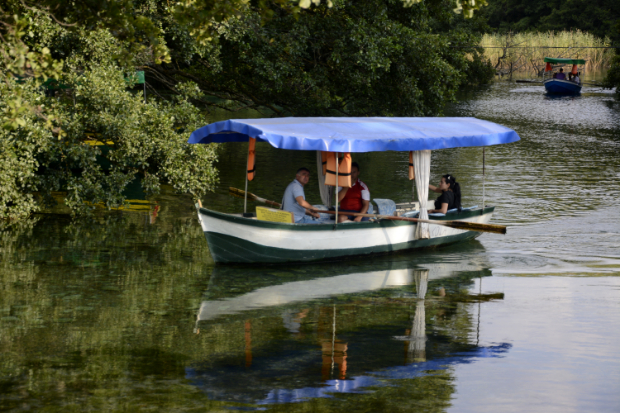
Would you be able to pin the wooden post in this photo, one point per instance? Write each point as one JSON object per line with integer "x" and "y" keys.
{"x": 483, "y": 176}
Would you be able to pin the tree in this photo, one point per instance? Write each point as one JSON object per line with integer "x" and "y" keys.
{"x": 613, "y": 74}
{"x": 133, "y": 138}
{"x": 372, "y": 57}
{"x": 130, "y": 21}
{"x": 597, "y": 17}
{"x": 361, "y": 58}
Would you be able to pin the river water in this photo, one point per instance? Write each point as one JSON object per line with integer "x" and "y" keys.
{"x": 128, "y": 312}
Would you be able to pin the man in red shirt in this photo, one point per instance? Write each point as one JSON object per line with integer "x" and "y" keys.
{"x": 354, "y": 199}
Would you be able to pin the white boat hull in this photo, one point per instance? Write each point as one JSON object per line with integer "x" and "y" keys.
{"x": 234, "y": 239}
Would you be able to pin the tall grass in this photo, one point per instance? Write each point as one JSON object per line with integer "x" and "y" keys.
{"x": 528, "y": 50}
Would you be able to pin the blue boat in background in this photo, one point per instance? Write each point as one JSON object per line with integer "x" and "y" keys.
{"x": 562, "y": 86}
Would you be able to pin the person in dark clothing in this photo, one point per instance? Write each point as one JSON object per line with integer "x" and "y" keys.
{"x": 561, "y": 75}
{"x": 450, "y": 197}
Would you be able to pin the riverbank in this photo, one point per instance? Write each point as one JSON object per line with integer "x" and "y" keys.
{"x": 524, "y": 52}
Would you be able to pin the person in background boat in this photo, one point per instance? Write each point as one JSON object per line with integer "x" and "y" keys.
{"x": 561, "y": 75}
{"x": 576, "y": 78}
{"x": 354, "y": 199}
{"x": 294, "y": 199}
{"x": 450, "y": 197}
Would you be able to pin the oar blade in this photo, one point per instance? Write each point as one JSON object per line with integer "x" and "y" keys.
{"x": 241, "y": 194}
{"x": 474, "y": 226}
{"x": 236, "y": 194}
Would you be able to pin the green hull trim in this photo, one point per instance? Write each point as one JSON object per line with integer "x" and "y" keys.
{"x": 229, "y": 249}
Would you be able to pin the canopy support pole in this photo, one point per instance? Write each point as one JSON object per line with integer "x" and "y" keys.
{"x": 483, "y": 176}
{"x": 336, "y": 190}
{"x": 245, "y": 200}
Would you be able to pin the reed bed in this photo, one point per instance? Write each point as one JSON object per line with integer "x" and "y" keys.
{"x": 524, "y": 52}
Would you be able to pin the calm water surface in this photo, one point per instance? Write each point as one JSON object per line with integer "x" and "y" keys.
{"x": 127, "y": 312}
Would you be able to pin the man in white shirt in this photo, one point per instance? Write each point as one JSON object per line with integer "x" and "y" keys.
{"x": 294, "y": 199}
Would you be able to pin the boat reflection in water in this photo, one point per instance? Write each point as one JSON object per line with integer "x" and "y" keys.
{"x": 333, "y": 329}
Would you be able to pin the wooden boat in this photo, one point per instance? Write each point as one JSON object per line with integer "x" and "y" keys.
{"x": 562, "y": 86}
{"x": 238, "y": 238}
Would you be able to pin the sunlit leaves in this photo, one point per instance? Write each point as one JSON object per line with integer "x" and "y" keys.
{"x": 103, "y": 137}
{"x": 363, "y": 58}
{"x": 467, "y": 7}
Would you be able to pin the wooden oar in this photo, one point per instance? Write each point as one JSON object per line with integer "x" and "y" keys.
{"x": 241, "y": 194}
{"x": 462, "y": 225}
{"x": 467, "y": 226}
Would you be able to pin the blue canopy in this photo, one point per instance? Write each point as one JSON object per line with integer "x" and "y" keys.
{"x": 358, "y": 134}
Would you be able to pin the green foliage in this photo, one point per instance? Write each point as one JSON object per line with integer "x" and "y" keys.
{"x": 613, "y": 74}
{"x": 370, "y": 57}
{"x": 141, "y": 25}
{"x": 597, "y": 17}
{"x": 24, "y": 24}
{"x": 134, "y": 139}
{"x": 467, "y": 7}
{"x": 479, "y": 70}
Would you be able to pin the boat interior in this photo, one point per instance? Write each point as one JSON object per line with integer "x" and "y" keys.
{"x": 380, "y": 207}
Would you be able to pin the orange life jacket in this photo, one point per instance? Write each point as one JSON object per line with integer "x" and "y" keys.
{"x": 574, "y": 71}
{"x": 344, "y": 170}
{"x": 411, "y": 171}
{"x": 330, "y": 169}
{"x": 251, "y": 159}
{"x": 324, "y": 156}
